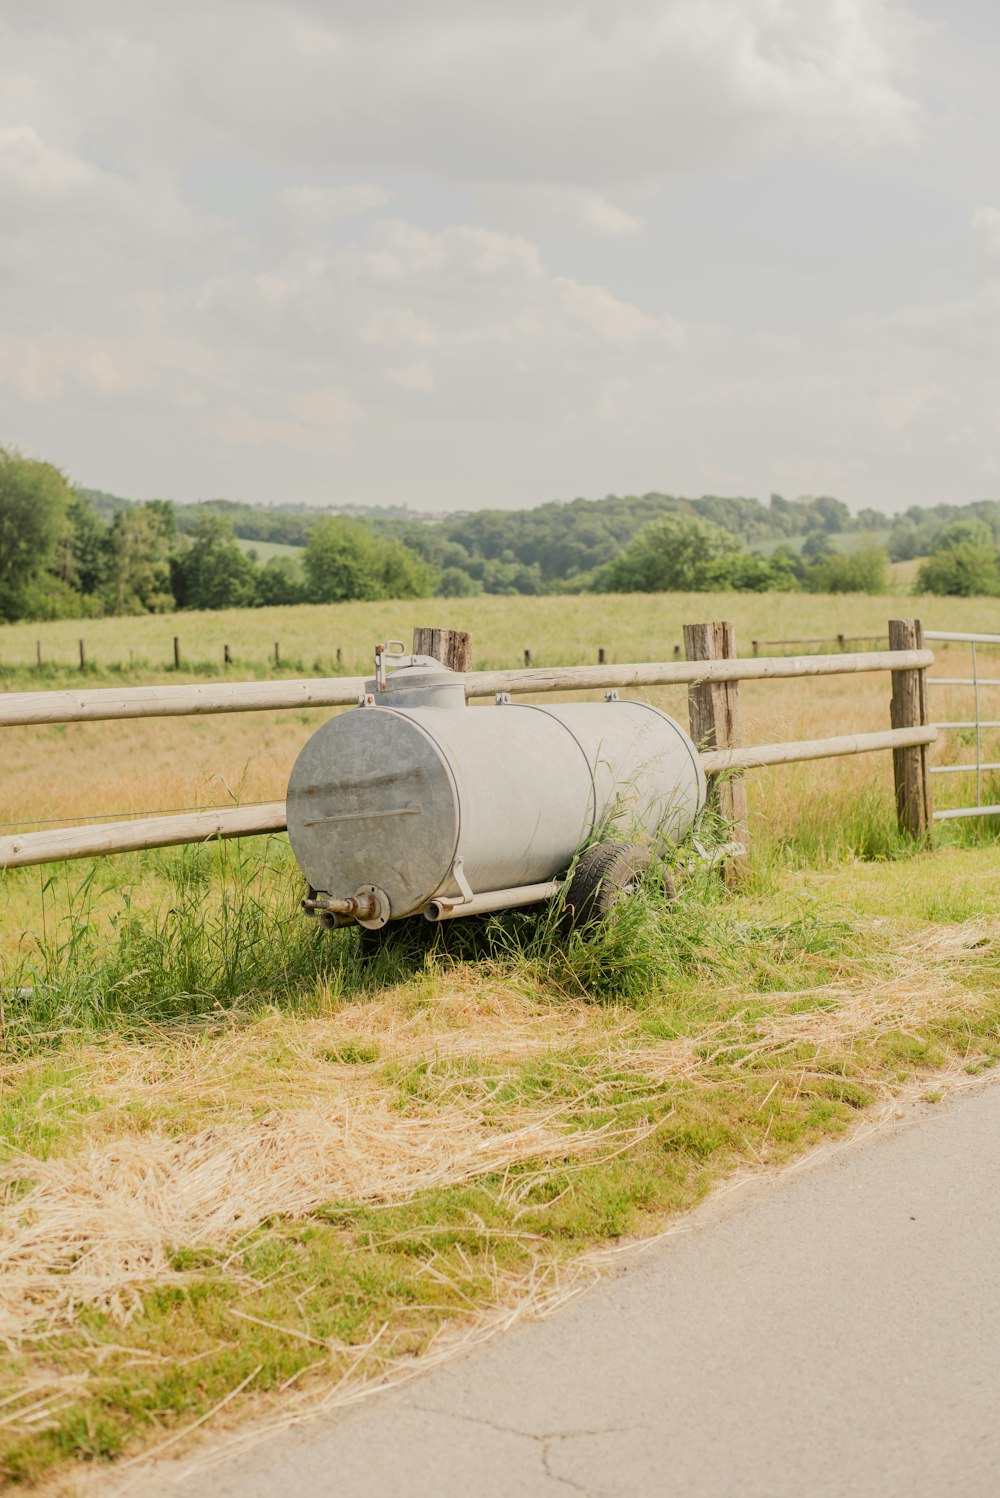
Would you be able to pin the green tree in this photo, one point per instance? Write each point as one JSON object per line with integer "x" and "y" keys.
{"x": 672, "y": 555}
{"x": 963, "y": 562}
{"x": 816, "y": 545}
{"x": 139, "y": 544}
{"x": 831, "y": 514}
{"x": 752, "y": 573}
{"x": 860, "y": 571}
{"x": 82, "y": 554}
{"x": 345, "y": 559}
{"x": 280, "y": 581}
{"x": 455, "y": 582}
{"x": 213, "y": 573}
{"x": 34, "y": 504}
{"x": 962, "y": 533}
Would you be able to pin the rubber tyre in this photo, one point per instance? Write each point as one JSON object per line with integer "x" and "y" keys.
{"x": 605, "y": 874}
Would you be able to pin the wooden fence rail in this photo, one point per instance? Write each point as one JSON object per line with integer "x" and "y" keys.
{"x": 101, "y": 704}
{"x": 712, "y": 680}
{"x": 58, "y": 843}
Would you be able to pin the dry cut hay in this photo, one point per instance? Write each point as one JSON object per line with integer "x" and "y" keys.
{"x": 97, "y": 1226}
{"x": 922, "y": 981}
{"x": 466, "y": 1016}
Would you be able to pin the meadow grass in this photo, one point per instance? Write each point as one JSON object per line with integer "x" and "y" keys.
{"x": 246, "y": 1161}
{"x": 559, "y": 630}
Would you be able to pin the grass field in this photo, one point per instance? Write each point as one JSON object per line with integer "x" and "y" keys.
{"x": 245, "y": 1171}
{"x": 558, "y": 631}
{"x": 264, "y": 551}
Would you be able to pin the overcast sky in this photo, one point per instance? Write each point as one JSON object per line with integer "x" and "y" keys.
{"x": 491, "y": 252}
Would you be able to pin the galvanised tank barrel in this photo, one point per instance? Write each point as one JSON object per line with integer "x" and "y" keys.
{"x": 437, "y": 801}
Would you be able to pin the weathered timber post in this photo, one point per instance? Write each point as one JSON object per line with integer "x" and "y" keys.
{"x": 227, "y": 658}
{"x": 177, "y": 653}
{"x": 277, "y": 654}
{"x": 452, "y": 647}
{"x": 339, "y": 662}
{"x": 83, "y": 656}
{"x": 600, "y": 655}
{"x": 38, "y": 653}
{"x": 714, "y": 713}
{"x": 911, "y": 767}
{"x": 527, "y": 658}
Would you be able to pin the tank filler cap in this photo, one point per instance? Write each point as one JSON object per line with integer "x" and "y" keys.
{"x": 413, "y": 680}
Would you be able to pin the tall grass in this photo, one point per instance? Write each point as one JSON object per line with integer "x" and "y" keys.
{"x": 228, "y": 935}
{"x": 834, "y": 826}
{"x": 227, "y": 938}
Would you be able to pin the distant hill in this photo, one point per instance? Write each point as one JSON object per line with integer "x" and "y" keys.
{"x": 532, "y": 550}
{"x": 285, "y": 524}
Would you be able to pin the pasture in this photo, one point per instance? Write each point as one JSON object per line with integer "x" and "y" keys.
{"x": 247, "y": 1173}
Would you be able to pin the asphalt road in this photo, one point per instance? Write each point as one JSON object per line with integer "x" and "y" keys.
{"x": 836, "y": 1332}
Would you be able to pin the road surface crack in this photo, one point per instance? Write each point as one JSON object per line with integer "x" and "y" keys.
{"x": 546, "y": 1440}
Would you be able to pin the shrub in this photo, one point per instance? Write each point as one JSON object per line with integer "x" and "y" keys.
{"x": 963, "y": 562}
{"x": 861, "y": 571}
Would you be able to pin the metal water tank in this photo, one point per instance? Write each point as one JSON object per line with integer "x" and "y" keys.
{"x": 415, "y": 802}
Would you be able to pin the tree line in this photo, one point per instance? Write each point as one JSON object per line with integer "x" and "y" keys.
{"x": 60, "y": 559}
{"x": 70, "y": 552}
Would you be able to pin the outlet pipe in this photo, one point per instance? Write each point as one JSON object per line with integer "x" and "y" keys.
{"x": 495, "y": 899}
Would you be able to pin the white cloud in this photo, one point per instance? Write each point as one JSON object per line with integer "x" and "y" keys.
{"x": 320, "y": 424}
{"x": 250, "y": 246}
{"x": 412, "y": 377}
{"x": 901, "y": 405}
{"x": 582, "y": 94}
{"x": 395, "y": 326}
{"x": 607, "y": 316}
{"x": 315, "y": 206}
{"x": 568, "y": 208}
{"x": 969, "y": 327}
{"x": 301, "y": 213}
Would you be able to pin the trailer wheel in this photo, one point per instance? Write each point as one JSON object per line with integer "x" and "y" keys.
{"x": 605, "y": 874}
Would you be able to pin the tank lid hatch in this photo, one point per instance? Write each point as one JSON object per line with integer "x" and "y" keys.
{"x": 418, "y": 681}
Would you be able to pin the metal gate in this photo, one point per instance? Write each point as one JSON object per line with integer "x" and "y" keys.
{"x": 979, "y": 766}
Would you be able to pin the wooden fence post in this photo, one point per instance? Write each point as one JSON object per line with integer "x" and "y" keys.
{"x": 600, "y": 655}
{"x": 227, "y": 656}
{"x": 527, "y": 658}
{"x": 83, "y": 656}
{"x": 714, "y": 712}
{"x": 177, "y": 653}
{"x": 910, "y": 767}
{"x": 38, "y": 653}
{"x": 452, "y": 647}
{"x": 277, "y": 654}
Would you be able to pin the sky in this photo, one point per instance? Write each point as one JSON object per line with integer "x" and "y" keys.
{"x": 496, "y": 252}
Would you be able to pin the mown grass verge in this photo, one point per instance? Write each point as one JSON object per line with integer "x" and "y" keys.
{"x": 247, "y": 1168}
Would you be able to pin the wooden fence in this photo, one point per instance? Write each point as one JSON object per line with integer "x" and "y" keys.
{"x": 712, "y": 674}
